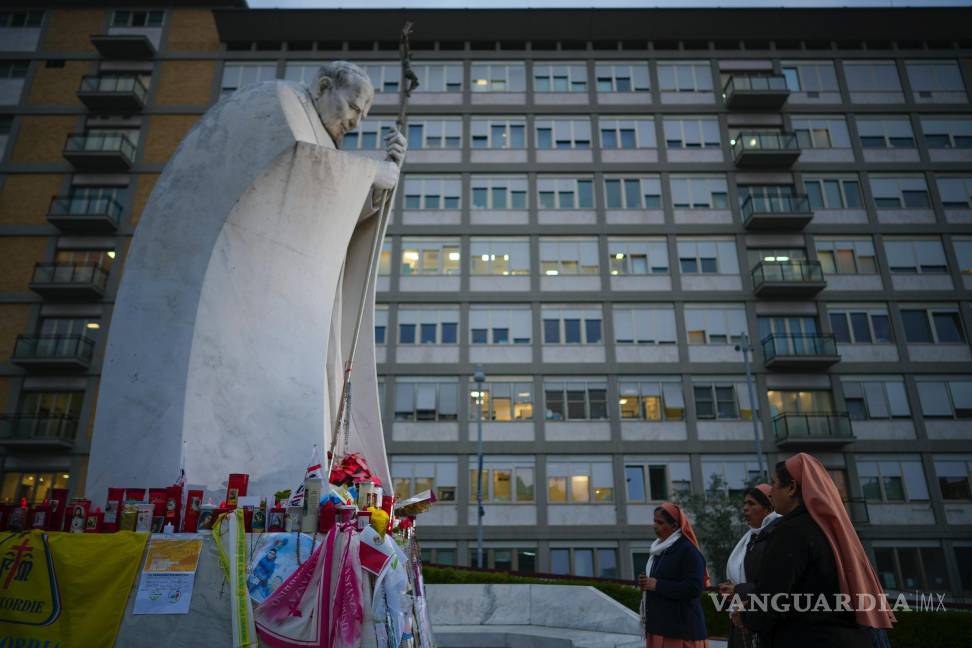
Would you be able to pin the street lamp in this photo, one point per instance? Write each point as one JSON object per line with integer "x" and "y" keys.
{"x": 480, "y": 377}
{"x": 746, "y": 348}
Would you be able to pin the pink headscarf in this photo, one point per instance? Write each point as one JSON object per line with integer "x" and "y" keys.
{"x": 764, "y": 489}
{"x": 686, "y": 528}
{"x": 854, "y": 571}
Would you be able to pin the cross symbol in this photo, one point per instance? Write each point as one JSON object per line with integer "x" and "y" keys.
{"x": 20, "y": 549}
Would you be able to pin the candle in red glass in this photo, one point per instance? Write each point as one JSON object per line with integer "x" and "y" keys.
{"x": 173, "y": 505}
{"x": 236, "y": 486}
{"x": 327, "y": 517}
{"x": 276, "y": 519}
{"x": 93, "y": 523}
{"x": 5, "y": 511}
{"x": 77, "y": 515}
{"x": 58, "y": 499}
{"x": 191, "y": 518}
{"x": 134, "y": 494}
{"x": 113, "y": 509}
{"x": 40, "y": 516}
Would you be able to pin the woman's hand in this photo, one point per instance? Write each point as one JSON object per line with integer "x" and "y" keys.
{"x": 646, "y": 583}
{"x": 727, "y": 588}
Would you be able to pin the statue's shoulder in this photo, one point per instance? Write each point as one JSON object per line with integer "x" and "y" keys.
{"x": 272, "y": 104}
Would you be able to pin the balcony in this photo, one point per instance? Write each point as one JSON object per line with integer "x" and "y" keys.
{"x": 755, "y": 91}
{"x": 793, "y": 278}
{"x": 817, "y": 429}
{"x": 768, "y": 150}
{"x": 70, "y": 281}
{"x": 81, "y": 214}
{"x": 776, "y": 212}
{"x": 124, "y": 93}
{"x": 123, "y": 46}
{"x": 801, "y": 351}
{"x": 39, "y": 432}
{"x": 100, "y": 152}
{"x": 53, "y": 351}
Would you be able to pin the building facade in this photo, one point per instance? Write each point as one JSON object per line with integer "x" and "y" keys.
{"x": 600, "y": 208}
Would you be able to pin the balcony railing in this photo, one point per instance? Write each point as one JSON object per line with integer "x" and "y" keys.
{"x": 53, "y": 350}
{"x": 74, "y": 213}
{"x": 100, "y": 152}
{"x": 104, "y": 92}
{"x": 68, "y": 280}
{"x": 765, "y": 149}
{"x": 799, "y": 350}
{"x": 793, "y": 277}
{"x": 787, "y": 211}
{"x": 755, "y": 91}
{"x": 39, "y": 431}
{"x": 821, "y": 428}
{"x": 123, "y": 46}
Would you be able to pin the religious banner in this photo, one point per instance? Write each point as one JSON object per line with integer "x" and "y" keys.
{"x": 65, "y": 589}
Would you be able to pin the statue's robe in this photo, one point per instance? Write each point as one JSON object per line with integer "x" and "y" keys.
{"x": 233, "y": 319}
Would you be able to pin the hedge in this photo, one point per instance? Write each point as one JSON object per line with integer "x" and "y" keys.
{"x": 914, "y": 629}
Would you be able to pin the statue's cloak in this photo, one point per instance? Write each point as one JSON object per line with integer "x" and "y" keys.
{"x": 234, "y": 316}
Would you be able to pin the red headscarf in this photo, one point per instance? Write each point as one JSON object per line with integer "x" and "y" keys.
{"x": 764, "y": 489}
{"x": 854, "y": 571}
{"x": 686, "y": 528}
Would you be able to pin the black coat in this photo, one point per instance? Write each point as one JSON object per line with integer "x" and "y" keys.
{"x": 797, "y": 559}
{"x": 752, "y": 563}
{"x": 674, "y": 609}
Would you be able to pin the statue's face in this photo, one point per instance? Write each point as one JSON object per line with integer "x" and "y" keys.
{"x": 342, "y": 108}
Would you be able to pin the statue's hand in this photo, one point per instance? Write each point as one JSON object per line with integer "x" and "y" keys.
{"x": 395, "y": 146}
{"x": 387, "y": 176}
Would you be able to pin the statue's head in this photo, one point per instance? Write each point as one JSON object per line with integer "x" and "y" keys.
{"x": 342, "y": 94}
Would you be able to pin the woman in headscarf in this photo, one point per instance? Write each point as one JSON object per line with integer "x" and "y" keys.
{"x": 674, "y": 577}
{"x": 745, "y": 559}
{"x": 813, "y": 550}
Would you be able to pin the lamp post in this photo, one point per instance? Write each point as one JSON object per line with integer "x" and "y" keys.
{"x": 745, "y": 348}
{"x": 480, "y": 377}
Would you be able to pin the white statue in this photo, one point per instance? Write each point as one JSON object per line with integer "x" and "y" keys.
{"x": 234, "y": 316}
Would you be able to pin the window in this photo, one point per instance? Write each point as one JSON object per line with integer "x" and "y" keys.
{"x": 685, "y": 77}
{"x": 498, "y": 133}
{"x": 715, "y": 324}
{"x": 963, "y": 254}
{"x": 572, "y": 325}
{"x": 822, "y": 132}
{"x": 565, "y": 77}
{"x": 52, "y": 409}
{"x": 829, "y": 192}
{"x": 6, "y": 125}
{"x": 767, "y": 198}
{"x": 699, "y": 192}
{"x": 568, "y": 256}
{"x": 103, "y": 259}
{"x": 413, "y": 475}
{"x": 889, "y": 132}
{"x": 501, "y": 257}
{"x": 137, "y": 19}
{"x": 497, "y": 77}
{"x": 430, "y": 256}
{"x": 426, "y": 399}
{"x": 502, "y": 400}
{"x": 505, "y": 480}
{"x": 633, "y": 192}
{"x": 584, "y": 561}
{"x": 303, "y": 72}
{"x": 579, "y": 482}
{"x": 860, "y": 324}
{"x": 438, "y": 77}
{"x": 428, "y": 325}
{"x": 92, "y": 199}
{"x": 381, "y": 324}
{"x": 575, "y": 400}
{"x": 635, "y": 133}
{"x": 499, "y": 324}
{"x": 237, "y": 75}
{"x": 872, "y": 76}
{"x": 955, "y": 193}
{"x": 385, "y": 77}
{"x": 736, "y": 474}
{"x": 810, "y": 77}
{"x": 34, "y": 486}
{"x": 21, "y": 18}
{"x": 900, "y": 192}
{"x": 13, "y": 69}
{"x": 892, "y": 480}
{"x": 800, "y": 402}
{"x": 722, "y": 400}
{"x": 954, "y": 478}
{"x": 691, "y": 132}
{"x": 384, "y": 259}
{"x": 946, "y": 398}
{"x": 435, "y": 133}
{"x": 369, "y": 136}
{"x": 431, "y": 192}
{"x": 916, "y": 257}
{"x": 648, "y": 481}
{"x": 930, "y": 77}
{"x": 869, "y": 400}
{"x": 565, "y": 193}
{"x": 707, "y": 256}
{"x": 631, "y": 256}
{"x": 644, "y": 324}
{"x": 932, "y": 325}
{"x": 499, "y": 192}
{"x": 850, "y": 256}
{"x": 651, "y": 399}
{"x": 563, "y": 133}
{"x": 911, "y": 568}
{"x": 622, "y": 77}
{"x": 439, "y": 555}
{"x": 947, "y": 132}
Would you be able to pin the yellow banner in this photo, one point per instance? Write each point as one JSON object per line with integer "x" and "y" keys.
{"x": 66, "y": 589}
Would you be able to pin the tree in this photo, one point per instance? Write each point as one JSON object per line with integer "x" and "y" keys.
{"x": 716, "y": 516}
